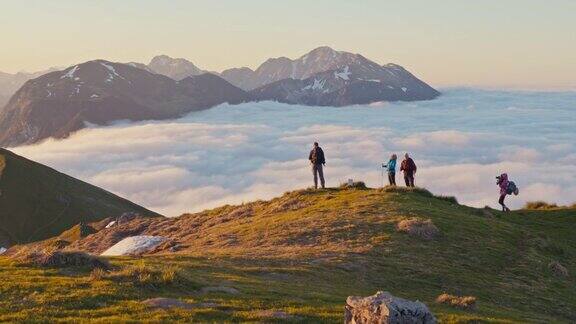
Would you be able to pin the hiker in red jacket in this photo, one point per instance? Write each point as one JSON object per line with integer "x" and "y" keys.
{"x": 409, "y": 168}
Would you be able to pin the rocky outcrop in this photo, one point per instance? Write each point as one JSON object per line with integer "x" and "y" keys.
{"x": 385, "y": 308}
{"x": 175, "y": 68}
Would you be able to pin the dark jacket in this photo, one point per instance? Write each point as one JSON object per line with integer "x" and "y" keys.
{"x": 317, "y": 156}
{"x": 408, "y": 166}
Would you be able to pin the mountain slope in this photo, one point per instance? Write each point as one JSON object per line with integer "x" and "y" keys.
{"x": 37, "y": 202}
{"x": 303, "y": 253}
{"x": 98, "y": 92}
{"x": 10, "y": 83}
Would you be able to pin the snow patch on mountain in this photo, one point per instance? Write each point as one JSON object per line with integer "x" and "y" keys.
{"x": 134, "y": 245}
{"x": 112, "y": 73}
{"x": 344, "y": 75}
{"x": 317, "y": 85}
{"x": 70, "y": 73}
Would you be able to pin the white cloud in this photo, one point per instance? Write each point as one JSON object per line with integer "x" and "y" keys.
{"x": 235, "y": 154}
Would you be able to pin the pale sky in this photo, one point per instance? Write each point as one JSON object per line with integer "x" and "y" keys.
{"x": 488, "y": 43}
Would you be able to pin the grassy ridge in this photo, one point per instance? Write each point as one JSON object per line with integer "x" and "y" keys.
{"x": 304, "y": 253}
{"x": 37, "y": 202}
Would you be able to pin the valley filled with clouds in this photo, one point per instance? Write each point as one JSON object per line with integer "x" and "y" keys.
{"x": 234, "y": 154}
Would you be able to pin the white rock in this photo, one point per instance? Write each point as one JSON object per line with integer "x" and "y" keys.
{"x": 134, "y": 245}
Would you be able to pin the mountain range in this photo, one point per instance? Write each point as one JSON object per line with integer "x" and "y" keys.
{"x": 98, "y": 92}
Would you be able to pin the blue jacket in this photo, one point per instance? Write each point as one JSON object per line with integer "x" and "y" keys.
{"x": 391, "y": 166}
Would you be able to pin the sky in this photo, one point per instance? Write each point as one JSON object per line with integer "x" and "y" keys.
{"x": 526, "y": 44}
{"x": 233, "y": 154}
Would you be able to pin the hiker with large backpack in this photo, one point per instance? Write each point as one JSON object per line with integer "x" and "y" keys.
{"x": 318, "y": 161}
{"x": 507, "y": 187}
{"x": 409, "y": 168}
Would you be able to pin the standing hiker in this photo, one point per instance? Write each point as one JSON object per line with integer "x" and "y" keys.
{"x": 409, "y": 168}
{"x": 316, "y": 157}
{"x": 507, "y": 187}
{"x": 391, "y": 167}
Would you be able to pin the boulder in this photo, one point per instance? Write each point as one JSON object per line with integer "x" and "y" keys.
{"x": 385, "y": 308}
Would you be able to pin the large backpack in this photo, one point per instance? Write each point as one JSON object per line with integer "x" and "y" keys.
{"x": 512, "y": 188}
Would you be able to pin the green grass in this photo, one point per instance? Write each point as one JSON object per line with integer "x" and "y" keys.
{"x": 305, "y": 261}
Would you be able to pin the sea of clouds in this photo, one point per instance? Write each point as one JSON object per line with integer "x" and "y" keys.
{"x": 234, "y": 154}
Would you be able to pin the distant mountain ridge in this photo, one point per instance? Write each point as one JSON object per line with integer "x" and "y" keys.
{"x": 98, "y": 92}
{"x": 10, "y": 83}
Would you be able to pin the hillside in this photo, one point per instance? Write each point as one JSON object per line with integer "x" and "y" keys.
{"x": 37, "y": 202}
{"x": 297, "y": 258}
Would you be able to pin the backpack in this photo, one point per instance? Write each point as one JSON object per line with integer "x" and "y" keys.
{"x": 512, "y": 189}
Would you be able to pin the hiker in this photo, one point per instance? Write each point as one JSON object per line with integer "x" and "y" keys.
{"x": 316, "y": 157}
{"x": 391, "y": 167}
{"x": 503, "y": 183}
{"x": 409, "y": 168}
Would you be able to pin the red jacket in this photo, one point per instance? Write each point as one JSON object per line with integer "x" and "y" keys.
{"x": 408, "y": 166}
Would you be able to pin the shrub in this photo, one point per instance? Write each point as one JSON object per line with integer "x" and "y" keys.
{"x": 354, "y": 185}
{"x": 417, "y": 227}
{"x": 450, "y": 199}
{"x": 61, "y": 259}
{"x": 97, "y": 274}
{"x": 464, "y": 302}
{"x": 539, "y": 205}
{"x": 144, "y": 275}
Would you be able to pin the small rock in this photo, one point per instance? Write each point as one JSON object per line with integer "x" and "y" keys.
{"x": 385, "y": 308}
{"x": 166, "y": 303}
{"x": 558, "y": 269}
{"x": 220, "y": 289}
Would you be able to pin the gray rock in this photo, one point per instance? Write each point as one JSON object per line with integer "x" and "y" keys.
{"x": 220, "y": 289}
{"x": 385, "y": 308}
{"x": 167, "y": 303}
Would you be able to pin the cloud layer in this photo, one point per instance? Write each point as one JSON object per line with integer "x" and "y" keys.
{"x": 234, "y": 154}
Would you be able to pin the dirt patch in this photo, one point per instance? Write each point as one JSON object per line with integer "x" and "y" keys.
{"x": 417, "y": 227}
{"x": 220, "y": 289}
{"x": 166, "y": 303}
{"x": 274, "y": 314}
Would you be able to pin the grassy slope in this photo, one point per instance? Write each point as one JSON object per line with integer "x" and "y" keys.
{"x": 340, "y": 243}
{"x": 37, "y": 202}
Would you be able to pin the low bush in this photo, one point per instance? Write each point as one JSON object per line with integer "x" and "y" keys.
{"x": 464, "y": 302}
{"x": 147, "y": 276}
{"x": 353, "y": 185}
{"x": 539, "y": 205}
{"x": 63, "y": 259}
{"x": 418, "y": 227}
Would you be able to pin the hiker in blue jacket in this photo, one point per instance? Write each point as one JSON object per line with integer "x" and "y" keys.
{"x": 391, "y": 167}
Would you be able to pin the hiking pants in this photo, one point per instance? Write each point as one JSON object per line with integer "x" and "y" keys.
{"x": 409, "y": 179}
{"x": 392, "y": 178}
{"x": 318, "y": 171}
{"x": 501, "y": 200}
